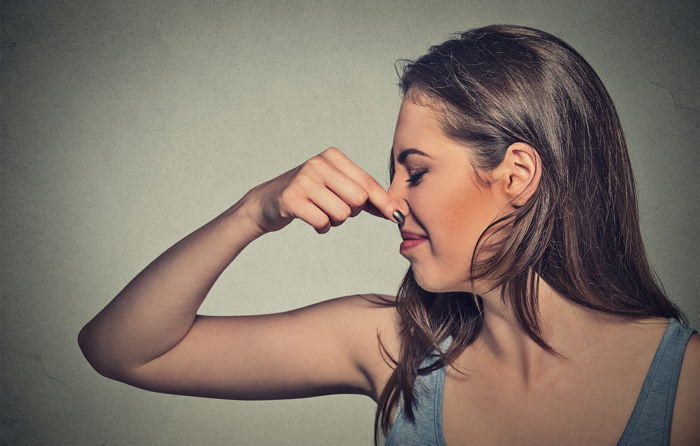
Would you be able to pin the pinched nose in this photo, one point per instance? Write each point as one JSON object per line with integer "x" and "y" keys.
{"x": 401, "y": 212}
{"x": 398, "y": 197}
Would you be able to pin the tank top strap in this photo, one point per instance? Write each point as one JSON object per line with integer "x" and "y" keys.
{"x": 434, "y": 354}
{"x": 425, "y": 390}
{"x": 650, "y": 422}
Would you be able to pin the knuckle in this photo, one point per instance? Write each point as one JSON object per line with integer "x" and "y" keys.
{"x": 332, "y": 154}
{"x": 314, "y": 162}
{"x": 323, "y": 225}
{"x": 332, "y": 150}
{"x": 303, "y": 180}
{"x": 356, "y": 201}
{"x": 361, "y": 197}
{"x": 286, "y": 196}
{"x": 367, "y": 182}
{"x": 345, "y": 213}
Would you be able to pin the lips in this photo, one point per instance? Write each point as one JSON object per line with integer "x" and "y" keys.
{"x": 406, "y": 235}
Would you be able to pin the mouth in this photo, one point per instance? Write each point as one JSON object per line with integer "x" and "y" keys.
{"x": 408, "y": 244}
{"x": 411, "y": 240}
{"x": 406, "y": 235}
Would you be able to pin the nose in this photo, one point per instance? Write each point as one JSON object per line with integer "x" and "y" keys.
{"x": 398, "y": 192}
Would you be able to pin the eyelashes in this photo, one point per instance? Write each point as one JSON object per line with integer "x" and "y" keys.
{"x": 415, "y": 179}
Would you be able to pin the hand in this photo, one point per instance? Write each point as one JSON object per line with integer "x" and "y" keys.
{"x": 323, "y": 191}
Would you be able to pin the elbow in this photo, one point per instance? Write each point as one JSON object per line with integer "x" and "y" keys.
{"x": 89, "y": 351}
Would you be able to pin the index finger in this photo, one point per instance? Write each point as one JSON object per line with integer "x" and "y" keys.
{"x": 379, "y": 201}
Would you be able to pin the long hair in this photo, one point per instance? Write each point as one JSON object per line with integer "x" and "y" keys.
{"x": 579, "y": 231}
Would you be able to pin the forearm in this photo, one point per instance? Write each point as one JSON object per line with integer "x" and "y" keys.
{"x": 157, "y": 308}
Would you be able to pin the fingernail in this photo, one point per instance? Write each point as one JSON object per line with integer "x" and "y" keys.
{"x": 398, "y": 215}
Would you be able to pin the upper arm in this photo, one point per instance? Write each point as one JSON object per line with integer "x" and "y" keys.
{"x": 685, "y": 429}
{"x": 320, "y": 349}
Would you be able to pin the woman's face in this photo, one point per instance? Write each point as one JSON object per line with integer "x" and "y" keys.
{"x": 445, "y": 203}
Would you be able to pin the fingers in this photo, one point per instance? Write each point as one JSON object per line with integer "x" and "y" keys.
{"x": 335, "y": 208}
{"x": 340, "y": 195}
{"x": 377, "y": 201}
{"x": 334, "y": 197}
{"x": 315, "y": 217}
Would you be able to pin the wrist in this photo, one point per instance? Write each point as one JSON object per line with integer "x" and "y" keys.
{"x": 239, "y": 218}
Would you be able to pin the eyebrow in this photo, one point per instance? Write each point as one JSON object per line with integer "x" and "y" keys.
{"x": 405, "y": 153}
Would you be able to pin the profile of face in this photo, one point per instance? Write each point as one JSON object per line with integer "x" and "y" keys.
{"x": 445, "y": 202}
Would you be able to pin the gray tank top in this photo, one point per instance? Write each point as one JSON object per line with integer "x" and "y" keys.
{"x": 649, "y": 424}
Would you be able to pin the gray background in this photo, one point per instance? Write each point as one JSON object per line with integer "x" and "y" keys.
{"x": 127, "y": 125}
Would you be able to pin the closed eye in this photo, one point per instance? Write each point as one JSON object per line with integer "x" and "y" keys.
{"x": 415, "y": 179}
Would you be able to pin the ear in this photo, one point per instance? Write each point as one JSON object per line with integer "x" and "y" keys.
{"x": 518, "y": 175}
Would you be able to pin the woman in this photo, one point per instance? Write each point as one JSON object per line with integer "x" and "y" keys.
{"x": 529, "y": 314}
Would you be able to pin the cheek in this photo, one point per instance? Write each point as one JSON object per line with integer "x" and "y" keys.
{"x": 459, "y": 215}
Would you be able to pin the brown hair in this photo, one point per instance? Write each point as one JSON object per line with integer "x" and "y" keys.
{"x": 579, "y": 231}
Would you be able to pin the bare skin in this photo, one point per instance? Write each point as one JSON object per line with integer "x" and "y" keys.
{"x": 518, "y": 393}
{"x": 151, "y": 336}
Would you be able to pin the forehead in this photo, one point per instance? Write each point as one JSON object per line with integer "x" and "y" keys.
{"x": 418, "y": 126}
{"x": 415, "y": 120}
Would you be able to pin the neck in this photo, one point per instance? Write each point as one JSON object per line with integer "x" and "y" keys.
{"x": 507, "y": 349}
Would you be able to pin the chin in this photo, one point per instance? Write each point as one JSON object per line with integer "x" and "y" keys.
{"x": 433, "y": 287}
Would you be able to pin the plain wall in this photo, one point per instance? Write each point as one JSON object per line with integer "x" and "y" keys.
{"x": 126, "y": 125}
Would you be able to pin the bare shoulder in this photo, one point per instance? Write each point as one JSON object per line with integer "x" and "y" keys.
{"x": 370, "y": 326}
{"x": 685, "y": 429}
